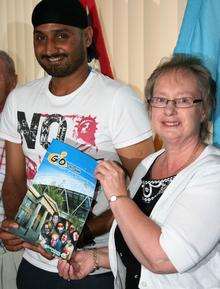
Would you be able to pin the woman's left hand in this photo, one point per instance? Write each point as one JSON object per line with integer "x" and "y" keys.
{"x": 112, "y": 178}
{"x": 79, "y": 266}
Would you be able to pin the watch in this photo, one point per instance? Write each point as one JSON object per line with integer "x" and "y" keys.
{"x": 114, "y": 198}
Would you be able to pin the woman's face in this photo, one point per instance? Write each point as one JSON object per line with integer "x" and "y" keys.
{"x": 177, "y": 125}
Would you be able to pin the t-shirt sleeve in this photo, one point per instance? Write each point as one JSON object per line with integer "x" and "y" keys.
{"x": 8, "y": 123}
{"x": 192, "y": 229}
{"x": 129, "y": 122}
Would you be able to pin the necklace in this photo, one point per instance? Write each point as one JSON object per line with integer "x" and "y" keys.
{"x": 189, "y": 160}
{"x": 151, "y": 189}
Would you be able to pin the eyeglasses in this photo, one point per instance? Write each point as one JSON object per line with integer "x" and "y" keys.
{"x": 181, "y": 102}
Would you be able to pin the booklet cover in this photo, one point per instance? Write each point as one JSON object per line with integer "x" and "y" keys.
{"x": 57, "y": 204}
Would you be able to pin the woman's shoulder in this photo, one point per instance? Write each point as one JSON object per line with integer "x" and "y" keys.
{"x": 207, "y": 164}
{"x": 211, "y": 154}
{"x": 212, "y": 150}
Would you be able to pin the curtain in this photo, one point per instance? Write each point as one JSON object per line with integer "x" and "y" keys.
{"x": 16, "y": 37}
{"x": 137, "y": 34}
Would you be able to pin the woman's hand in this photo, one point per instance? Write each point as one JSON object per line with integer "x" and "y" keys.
{"x": 112, "y": 178}
{"x": 79, "y": 266}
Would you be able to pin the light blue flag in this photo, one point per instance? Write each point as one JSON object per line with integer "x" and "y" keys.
{"x": 200, "y": 36}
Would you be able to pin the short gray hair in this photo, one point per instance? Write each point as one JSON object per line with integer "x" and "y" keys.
{"x": 9, "y": 63}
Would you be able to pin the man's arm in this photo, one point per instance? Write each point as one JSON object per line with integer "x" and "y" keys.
{"x": 13, "y": 190}
{"x": 14, "y": 186}
{"x": 130, "y": 157}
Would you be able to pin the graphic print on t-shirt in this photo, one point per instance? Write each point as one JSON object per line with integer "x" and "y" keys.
{"x": 44, "y": 127}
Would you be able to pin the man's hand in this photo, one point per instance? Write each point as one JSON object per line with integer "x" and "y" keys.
{"x": 38, "y": 249}
{"x": 15, "y": 243}
{"x": 11, "y": 241}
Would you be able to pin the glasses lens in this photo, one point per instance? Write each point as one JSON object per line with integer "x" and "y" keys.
{"x": 157, "y": 101}
{"x": 184, "y": 102}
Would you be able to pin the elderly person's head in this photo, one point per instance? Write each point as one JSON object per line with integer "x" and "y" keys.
{"x": 185, "y": 80}
{"x": 8, "y": 77}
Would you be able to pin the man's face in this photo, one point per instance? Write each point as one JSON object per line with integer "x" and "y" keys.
{"x": 60, "y": 228}
{"x": 71, "y": 229}
{"x": 64, "y": 238}
{"x": 55, "y": 219}
{"x": 60, "y": 49}
{"x": 46, "y": 229}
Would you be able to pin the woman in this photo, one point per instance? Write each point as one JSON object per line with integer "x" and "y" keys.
{"x": 168, "y": 235}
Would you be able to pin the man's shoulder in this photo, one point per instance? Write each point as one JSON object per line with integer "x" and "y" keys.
{"x": 107, "y": 81}
{"x": 111, "y": 87}
{"x": 32, "y": 85}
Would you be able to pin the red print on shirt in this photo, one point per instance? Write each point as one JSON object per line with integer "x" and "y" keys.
{"x": 85, "y": 129}
{"x": 31, "y": 168}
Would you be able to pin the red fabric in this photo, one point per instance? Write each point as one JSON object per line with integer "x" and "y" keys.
{"x": 98, "y": 37}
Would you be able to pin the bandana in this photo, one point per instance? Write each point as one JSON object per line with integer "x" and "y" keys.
{"x": 67, "y": 12}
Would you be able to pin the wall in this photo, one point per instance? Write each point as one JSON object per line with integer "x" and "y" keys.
{"x": 137, "y": 33}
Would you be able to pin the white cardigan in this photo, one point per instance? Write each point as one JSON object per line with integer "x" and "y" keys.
{"x": 188, "y": 213}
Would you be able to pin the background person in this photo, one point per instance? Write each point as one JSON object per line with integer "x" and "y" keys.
{"x": 55, "y": 219}
{"x": 168, "y": 235}
{"x": 9, "y": 262}
{"x": 60, "y": 228}
{"x": 46, "y": 232}
{"x": 55, "y": 241}
{"x": 74, "y": 104}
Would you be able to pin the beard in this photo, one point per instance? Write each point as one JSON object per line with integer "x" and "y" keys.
{"x": 67, "y": 64}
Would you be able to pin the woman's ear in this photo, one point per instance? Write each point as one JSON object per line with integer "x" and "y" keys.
{"x": 203, "y": 116}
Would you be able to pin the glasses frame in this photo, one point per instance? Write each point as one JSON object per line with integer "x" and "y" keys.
{"x": 174, "y": 101}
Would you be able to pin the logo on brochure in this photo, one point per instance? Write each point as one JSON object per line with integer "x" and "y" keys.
{"x": 58, "y": 159}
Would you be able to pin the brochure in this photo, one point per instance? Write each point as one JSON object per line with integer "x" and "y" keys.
{"x": 57, "y": 203}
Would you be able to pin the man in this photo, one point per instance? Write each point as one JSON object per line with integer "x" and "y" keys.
{"x": 9, "y": 262}
{"x": 79, "y": 106}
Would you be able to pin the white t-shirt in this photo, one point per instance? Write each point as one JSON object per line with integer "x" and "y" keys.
{"x": 102, "y": 115}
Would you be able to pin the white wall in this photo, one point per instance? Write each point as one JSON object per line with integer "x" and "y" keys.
{"x": 138, "y": 33}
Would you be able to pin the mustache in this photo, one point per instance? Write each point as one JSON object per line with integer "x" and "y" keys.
{"x": 55, "y": 55}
